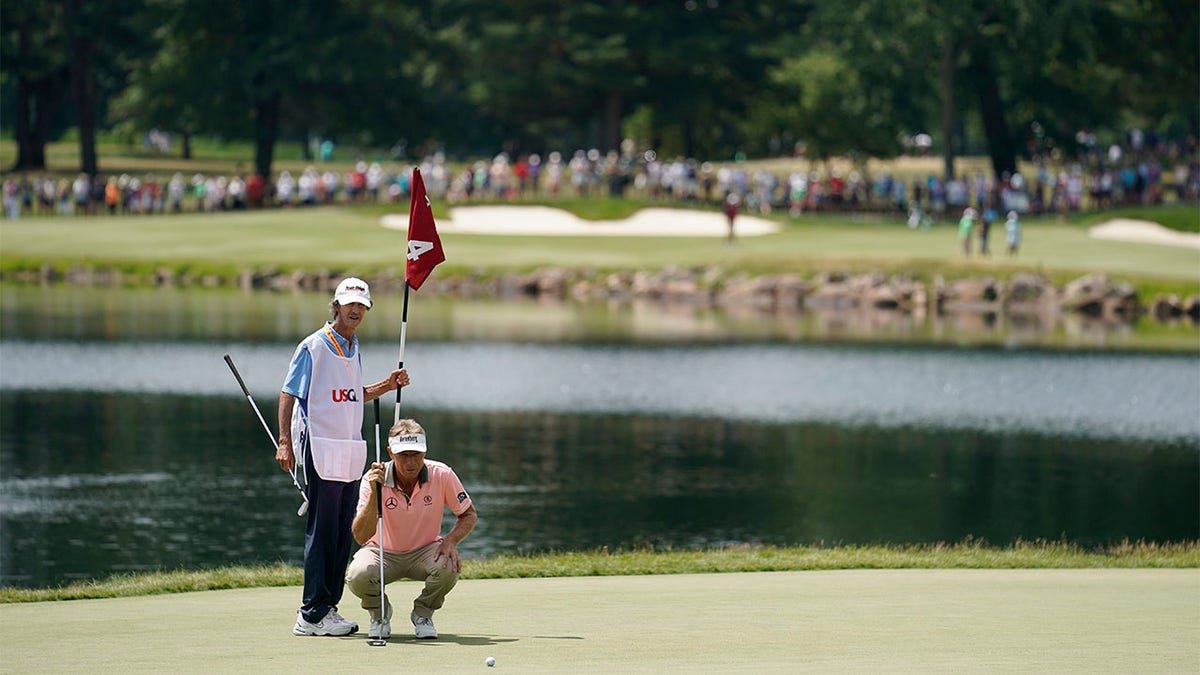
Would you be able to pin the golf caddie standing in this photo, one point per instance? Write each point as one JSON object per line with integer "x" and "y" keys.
{"x": 324, "y": 434}
{"x": 415, "y": 492}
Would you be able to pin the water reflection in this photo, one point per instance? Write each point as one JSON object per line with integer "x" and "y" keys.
{"x": 1102, "y": 395}
{"x": 126, "y": 444}
{"x": 172, "y": 314}
{"x": 95, "y": 485}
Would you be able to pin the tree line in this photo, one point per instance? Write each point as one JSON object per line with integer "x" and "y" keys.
{"x": 697, "y": 78}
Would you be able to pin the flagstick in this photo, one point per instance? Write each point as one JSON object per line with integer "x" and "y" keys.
{"x": 403, "y": 334}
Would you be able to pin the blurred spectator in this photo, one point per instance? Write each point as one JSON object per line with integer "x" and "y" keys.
{"x": 112, "y": 195}
{"x": 175, "y": 189}
{"x": 1012, "y": 232}
{"x": 256, "y": 187}
{"x": 328, "y": 187}
{"x": 309, "y": 186}
{"x": 965, "y": 225}
{"x": 63, "y": 188}
{"x": 285, "y": 188}
{"x": 12, "y": 199}
{"x": 374, "y": 179}
{"x": 554, "y": 173}
{"x": 96, "y": 198}
{"x": 732, "y": 201}
{"x": 236, "y": 189}
{"x": 199, "y": 191}
{"x": 985, "y": 229}
{"x": 81, "y": 189}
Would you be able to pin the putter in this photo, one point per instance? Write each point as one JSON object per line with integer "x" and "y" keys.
{"x": 303, "y": 507}
{"x": 379, "y": 641}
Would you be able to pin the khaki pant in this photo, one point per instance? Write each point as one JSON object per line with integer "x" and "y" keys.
{"x": 362, "y": 577}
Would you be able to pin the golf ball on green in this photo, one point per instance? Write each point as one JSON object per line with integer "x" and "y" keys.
{"x": 490, "y": 661}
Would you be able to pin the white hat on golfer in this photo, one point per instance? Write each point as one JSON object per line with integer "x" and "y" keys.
{"x": 353, "y": 290}
{"x": 407, "y": 443}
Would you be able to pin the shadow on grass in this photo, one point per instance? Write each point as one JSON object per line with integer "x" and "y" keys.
{"x": 462, "y": 640}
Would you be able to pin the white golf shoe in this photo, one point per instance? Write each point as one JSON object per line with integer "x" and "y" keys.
{"x": 331, "y": 624}
{"x": 381, "y": 628}
{"x": 423, "y": 627}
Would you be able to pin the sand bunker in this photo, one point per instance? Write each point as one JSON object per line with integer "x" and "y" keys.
{"x": 1143, "y": 232}
{"x": 548, "y": 221}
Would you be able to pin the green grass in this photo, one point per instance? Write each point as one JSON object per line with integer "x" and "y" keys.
{"x": 1181, "y": 217}
{"x": 581, "y": 207}
{"x": 346, "y": 239}
{"x": 965, "y": 555}
{"x": 118, "y": 155}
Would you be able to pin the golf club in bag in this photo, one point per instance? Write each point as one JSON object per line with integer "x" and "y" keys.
{"x": 271, "y": 437}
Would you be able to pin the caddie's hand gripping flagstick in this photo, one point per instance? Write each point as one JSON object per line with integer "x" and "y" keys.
{"x": 270, "y": 437}
{"x": 379, "y": 641}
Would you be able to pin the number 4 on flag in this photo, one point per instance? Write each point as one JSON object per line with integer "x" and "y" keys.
{"x": 416, "y": 248}
{"x": 424, "y": 246}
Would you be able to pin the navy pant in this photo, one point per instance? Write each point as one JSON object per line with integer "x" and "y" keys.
{"x": 327, "y": 538}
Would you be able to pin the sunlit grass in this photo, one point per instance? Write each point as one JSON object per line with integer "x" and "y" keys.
{"x": 351, "y": 239}
{"x": 606, "y": 208}
{"x": 1182, "y": 217}
{"x": 966, "y": 555}
{"x": 969, "y": 554}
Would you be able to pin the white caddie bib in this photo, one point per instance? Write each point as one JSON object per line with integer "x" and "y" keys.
{"x": 335, "y": 413}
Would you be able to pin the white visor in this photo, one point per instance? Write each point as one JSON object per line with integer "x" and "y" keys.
{"x": 407, "y": 443}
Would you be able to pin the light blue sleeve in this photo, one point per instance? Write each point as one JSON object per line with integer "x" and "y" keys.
{"x": 299, "y": 374}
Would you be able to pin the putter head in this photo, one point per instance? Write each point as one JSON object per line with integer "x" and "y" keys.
{"x": 376, "y": 642}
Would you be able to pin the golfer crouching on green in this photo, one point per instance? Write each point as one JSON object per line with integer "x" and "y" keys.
{"x": 414, "y": 492}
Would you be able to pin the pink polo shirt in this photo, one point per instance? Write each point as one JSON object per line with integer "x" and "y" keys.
{"x": 410, "y": 522}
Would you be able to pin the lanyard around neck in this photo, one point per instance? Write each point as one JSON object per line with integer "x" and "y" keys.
{"x": 334, "y": 340}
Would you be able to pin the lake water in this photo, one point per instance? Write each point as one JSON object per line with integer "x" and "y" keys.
{"x": 125, "y": 443}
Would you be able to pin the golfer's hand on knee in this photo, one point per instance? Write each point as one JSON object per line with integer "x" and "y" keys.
{"x": 449, "y": 551}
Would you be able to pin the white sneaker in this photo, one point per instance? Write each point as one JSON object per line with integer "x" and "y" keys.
{"x": 339, "y": 619}
{"x": 381, "y": 628}
{"x": 330, "y": 624}
{"x": 422, "y": 627}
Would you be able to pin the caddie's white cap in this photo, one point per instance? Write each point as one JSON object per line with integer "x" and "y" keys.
{"x": 407, "y": 443}
{"x": 351, "y": 290}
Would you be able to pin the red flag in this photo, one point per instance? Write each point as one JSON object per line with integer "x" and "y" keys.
{"x": 424, "y": 247}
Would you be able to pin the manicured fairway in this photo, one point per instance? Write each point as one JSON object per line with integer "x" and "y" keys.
{"x": 333, "y": 238}
{"x": 950, "y": 621}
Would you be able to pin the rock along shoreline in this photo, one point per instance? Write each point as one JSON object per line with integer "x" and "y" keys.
{"x": 1023, "y": 293}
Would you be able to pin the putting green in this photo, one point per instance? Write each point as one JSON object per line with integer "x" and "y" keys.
{"x": 896, "y": 620}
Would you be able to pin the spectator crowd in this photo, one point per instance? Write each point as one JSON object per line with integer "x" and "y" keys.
{"x": 1135, "y": 173}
